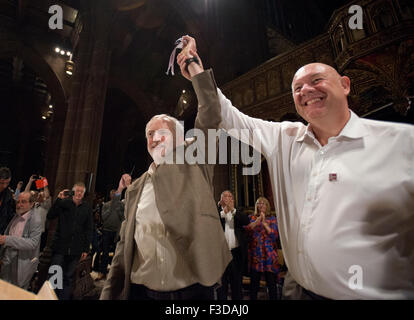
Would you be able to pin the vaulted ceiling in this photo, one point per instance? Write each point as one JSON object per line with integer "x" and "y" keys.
{"x": 232, "y": 36}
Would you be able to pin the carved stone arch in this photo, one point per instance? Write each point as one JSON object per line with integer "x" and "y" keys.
{"x": 38, "y": 64}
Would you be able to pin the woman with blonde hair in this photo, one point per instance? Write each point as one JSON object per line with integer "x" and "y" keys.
{"x": 262, "y": 234}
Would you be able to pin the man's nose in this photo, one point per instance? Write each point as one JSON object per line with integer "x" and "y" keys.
{"x": 306, "y": 88}
{"x": 158, "y": 137}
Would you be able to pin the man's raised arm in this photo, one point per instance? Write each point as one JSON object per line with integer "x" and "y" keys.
{"x": 231, "y": 119}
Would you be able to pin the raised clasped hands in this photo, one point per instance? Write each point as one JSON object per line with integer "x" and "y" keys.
{"x": 189, "y": 51}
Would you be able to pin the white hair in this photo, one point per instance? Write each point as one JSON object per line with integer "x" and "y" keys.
{"x": 174, "y": 125}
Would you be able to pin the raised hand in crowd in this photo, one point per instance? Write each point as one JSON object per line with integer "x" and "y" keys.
{"x": 124, "y": 182}
{"x": 64, "y": 194}
{"x": 29, "y": 184}
{"x": 19, "y": 185}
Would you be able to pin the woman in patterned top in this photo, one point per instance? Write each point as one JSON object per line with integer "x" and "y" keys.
{"x": 262, "y": 234}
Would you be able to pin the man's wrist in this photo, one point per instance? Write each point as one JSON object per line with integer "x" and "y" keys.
{"x": 191, "y": 60}
{"x": 194, "y": 68}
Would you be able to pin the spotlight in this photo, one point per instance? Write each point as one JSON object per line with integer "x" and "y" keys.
{"x": 68, "y": 53}
{"x": 183, "y": 91}
{"x": 57, "y": 49}
{"x": 62, "y": 52}
{"x": 185, "y": 101}
{"x": 43, "y": 117}
{"x": 50, "y": 106}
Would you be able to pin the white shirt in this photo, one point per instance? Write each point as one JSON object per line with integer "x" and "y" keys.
{"x": 157, "y": 264}
{"x": 229, "y": 228}
{"x": 363, "y": 217}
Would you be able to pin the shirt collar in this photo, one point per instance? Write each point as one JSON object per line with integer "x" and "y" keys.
{"x": 25, "y": 216}
{"x": 152, "y": 168}
{"x": 353, "y": 129}
{"x": 307, "y": 132}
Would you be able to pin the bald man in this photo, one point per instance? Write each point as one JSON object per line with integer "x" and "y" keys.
{"x": 343, "y": 189}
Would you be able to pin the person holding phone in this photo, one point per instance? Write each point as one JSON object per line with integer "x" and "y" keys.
{"x": 43, "y": 202}
{"x": 72, "y": 238}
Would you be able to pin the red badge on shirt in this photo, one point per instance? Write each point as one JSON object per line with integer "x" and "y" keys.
{"x": 332, "y": 177}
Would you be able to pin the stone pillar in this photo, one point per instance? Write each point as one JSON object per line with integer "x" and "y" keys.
{"x": 79, "y": 149}
{"x": 83, "y": 125}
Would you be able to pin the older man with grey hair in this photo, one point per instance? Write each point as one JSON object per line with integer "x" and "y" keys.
{"x": 72, "y": 238}
{"x": 20, "y": 243}
{"x": 172, "y": 246}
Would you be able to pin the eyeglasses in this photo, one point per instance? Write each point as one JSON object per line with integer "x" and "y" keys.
{"x": 22, "y": 201}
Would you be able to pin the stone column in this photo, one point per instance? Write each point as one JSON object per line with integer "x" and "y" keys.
{"x": 83, "y": 125}
{"x": 79, "y": 149}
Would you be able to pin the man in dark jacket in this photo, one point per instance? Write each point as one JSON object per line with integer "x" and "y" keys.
{"x": 233, "y": 220}
{"x": 73, "y": 234}
{"x": 112, "y": 217}
{"x": 7, "y": 203}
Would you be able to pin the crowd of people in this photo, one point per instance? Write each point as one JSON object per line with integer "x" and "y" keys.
{"x": 84, "y": 230}
{"x": 343, "y": 188}
{"x": 25, "y": 216}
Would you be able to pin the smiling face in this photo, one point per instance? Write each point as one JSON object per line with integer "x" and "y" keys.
{"x": 159, "y": 139}
{"x": 23, "y": 203}
{"x": 79, "y": 192}
{"x": 227, "y": 198}
{"x": 320, "y": 93}
{"x": 261, "y": 206}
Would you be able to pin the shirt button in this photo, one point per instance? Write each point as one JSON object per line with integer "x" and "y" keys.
{"x": 322, "y": 152}
{"x": 309, "y": 198}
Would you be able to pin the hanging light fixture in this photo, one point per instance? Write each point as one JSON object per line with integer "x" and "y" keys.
{"x": 69, "y": 66}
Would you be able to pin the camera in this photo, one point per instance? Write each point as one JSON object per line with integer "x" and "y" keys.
{"x": 68, "y": 193}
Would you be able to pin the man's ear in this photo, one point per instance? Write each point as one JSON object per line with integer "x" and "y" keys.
{"x": 346, "y": 84}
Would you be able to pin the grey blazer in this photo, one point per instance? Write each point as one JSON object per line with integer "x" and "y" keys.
{"x": 20, "y": 255}
{"x": 185, "y": 199}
